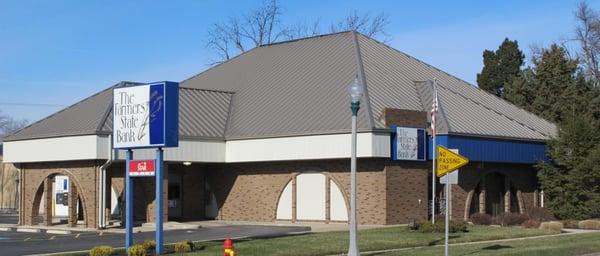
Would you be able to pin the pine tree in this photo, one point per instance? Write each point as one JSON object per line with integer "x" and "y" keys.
{"x": 572, "y": 180}
{"x": 555, "y": 84}
{"x": 500, "y": 67}
{"x": 520, "y": 90}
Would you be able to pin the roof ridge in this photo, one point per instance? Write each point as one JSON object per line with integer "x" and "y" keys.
{"x": 306, "y": 38}
{"x": 363, "y": 78}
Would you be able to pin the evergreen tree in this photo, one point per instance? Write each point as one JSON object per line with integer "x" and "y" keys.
{"x": 572, "y": 180}
{"x": 500, "y": 67}
{"x": 556, "y": 87}
{"x": 520, "y": 90}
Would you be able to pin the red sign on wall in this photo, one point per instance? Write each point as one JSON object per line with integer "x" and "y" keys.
{"x": 141, "y": 168}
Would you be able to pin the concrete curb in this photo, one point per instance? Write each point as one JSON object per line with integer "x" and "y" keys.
{"x": 29, "y": 230}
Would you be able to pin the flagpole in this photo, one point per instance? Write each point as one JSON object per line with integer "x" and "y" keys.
{"x": 434, "y": 150}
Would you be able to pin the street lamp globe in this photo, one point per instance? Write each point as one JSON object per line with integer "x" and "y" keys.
{"x": 356, "y": 91}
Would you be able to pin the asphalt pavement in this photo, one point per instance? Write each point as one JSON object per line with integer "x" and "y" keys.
{"x": 18, "y": 243}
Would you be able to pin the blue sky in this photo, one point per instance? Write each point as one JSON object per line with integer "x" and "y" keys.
{"x": 59, "y": 52}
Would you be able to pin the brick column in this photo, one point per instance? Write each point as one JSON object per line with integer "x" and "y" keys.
{"x": 482, "y": 197}
{"x": 506, "y": 194}
{"x": 73, "y": 198}
{"x": 48, "y": 201}
{"x": 536, "y": 198}
{"x": 468, "y": 204}
{"x": 520, "y": 201}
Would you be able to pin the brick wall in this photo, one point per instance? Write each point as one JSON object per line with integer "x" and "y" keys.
{"x": 85, "y": 174}
{"x": 250, "y": 191}
{"x": 407, "y": 191}
{"x": 522, "y": 178}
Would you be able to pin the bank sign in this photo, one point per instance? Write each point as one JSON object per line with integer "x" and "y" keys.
{"x": 408, "y": 143}
{"x": 146, "y": 116}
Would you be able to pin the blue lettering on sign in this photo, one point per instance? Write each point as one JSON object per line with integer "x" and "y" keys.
{"x": 65, "y": 185}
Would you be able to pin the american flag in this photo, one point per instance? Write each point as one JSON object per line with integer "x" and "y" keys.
{"x": 434, "y": 108}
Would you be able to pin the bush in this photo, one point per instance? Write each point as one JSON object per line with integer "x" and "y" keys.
{"x": 136, "y": 250}
{"x": 552, "y": 225}
{"x": 103, "y": 250}
{"x": 440, "y": 226}
{"x": 541, "y": 214}
{"x": 531, "y": 224}
{"x": 570, "y": 223}
{"x": 506, "y": 219}
{"x": 589, "y": 224}
{"x": 149, "y": 245}
{"x": 481, "y": 219}
{"x": 184, "y": 246}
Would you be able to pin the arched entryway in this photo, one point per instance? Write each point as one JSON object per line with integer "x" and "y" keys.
{"x": 494, "y": 193}
{"x": 54, "y": 191}
{"x": 312, "y": 197}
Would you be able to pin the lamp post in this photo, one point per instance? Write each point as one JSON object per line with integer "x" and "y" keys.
{"x": 355, "y": 89}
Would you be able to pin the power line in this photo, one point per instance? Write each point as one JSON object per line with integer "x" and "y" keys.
{"x": 31, "y": 104}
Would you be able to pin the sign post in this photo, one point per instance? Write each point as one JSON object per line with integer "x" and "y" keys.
{"x": 448, "y": 161}
{"x": 145, "y": 116}
{"x": 128, "y": 201}
{"x": 159, "y": 200}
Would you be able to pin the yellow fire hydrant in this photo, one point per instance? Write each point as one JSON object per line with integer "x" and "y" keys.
{"x": 228, "y": 248}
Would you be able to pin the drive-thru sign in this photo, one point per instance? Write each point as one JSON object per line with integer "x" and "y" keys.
{"x": 448, "y": 161}
{"x": 145, "y": 116}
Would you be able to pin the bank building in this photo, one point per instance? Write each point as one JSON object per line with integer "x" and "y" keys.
{"x": 265, "y": 137}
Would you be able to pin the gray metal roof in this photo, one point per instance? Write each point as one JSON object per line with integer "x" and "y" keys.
{"x": 299, "y": 88}
{"x": 202, "y": 114}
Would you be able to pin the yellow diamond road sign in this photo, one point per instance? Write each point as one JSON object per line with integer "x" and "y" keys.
{"x": 448, "y": 161}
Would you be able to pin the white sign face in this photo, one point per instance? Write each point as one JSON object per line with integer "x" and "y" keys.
{"x": 131, "y": 113}
{"x": 451, "y": 178}
{"x": 409, "y": 145}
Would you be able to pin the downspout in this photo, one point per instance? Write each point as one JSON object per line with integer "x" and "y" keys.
{"x": 102, "y": 188}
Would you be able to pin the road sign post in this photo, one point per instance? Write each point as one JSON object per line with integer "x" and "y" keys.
{"x": 447, "y": 162}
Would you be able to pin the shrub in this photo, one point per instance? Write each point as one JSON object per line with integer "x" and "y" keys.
{"x": 103, "y": 250}
{"x": 184, "y": 246}
{"x": 570, "y": 223}
{"x": 136, "y": 250}
{"x": 481, "y": 219}
{"x": 458, "y": 226}
{"x": 552, "y": 225}
{"x": 440, "y": 226}
{"x": 506, "y": 219}
{"x": 531, "y": 224}
{"x": 149, "y": 245}
{"x": 541, "y": 214}
{"x": 589, "y": 224}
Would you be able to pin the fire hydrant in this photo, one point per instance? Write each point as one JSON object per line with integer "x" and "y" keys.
{"x": 228, "y": 248}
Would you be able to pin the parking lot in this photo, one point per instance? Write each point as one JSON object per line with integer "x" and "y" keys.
{"x": 19, "y": 243}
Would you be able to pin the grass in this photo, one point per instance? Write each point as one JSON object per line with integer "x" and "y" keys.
{"x": 576, "y": 244}
{"x": 369, "y": 240}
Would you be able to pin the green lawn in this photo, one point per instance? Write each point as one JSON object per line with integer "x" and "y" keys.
{"x": 577, "y": 244}
{"x": 373, "y": 239}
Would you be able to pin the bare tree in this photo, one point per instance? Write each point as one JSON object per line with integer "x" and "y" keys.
{"x": 364, "y": 24}
{"x": 263, "y": 26}
{"x": 236, "y": 35}
{"x": 9, "y": 125}
{"x": 587, "y": 33}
